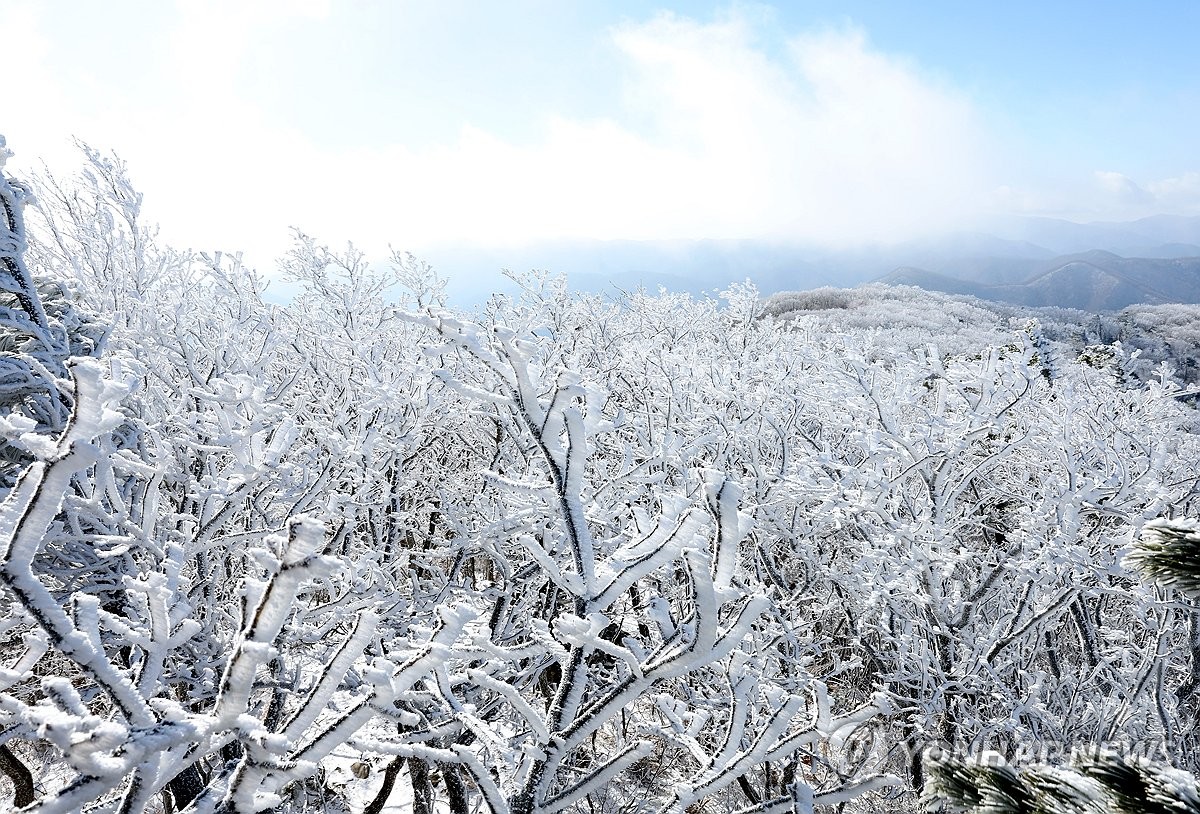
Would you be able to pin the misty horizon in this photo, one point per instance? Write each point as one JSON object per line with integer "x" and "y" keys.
{"x": 830, "y": 124}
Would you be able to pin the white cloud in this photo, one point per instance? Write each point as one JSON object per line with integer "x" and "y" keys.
{"x": 1121, "y": 190}
{"x": 1178, "y": 194}
{"x": 834, "y": 142}
{"x": 212, "y": 38}
{"x": 825, "y": 139}
{"x": 1117, "y": 196}
{"x": 29, "y": 99}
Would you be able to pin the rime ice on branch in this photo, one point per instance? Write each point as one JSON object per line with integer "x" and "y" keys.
{"x": 131, "y": 681}
{"x": 693, "y": 686}
{"x": 16, "y": 277}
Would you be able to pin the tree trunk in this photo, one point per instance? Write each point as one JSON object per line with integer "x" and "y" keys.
{"x": 186, "y": 787}
{"x": 390, "y": 773}
{"x": 19, "y": 774}
{"x": 456, "y": 790}
{"x": 418, "y": 773}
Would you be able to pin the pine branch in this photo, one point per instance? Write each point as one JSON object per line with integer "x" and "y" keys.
{"x": 1168, "y": 554}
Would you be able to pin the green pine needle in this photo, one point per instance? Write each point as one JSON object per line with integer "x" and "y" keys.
{"x": 1168, "y": 554}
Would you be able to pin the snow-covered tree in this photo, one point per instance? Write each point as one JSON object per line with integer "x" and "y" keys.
{"x": 1167, "y": 553}
{"x": 173, "y": 633}
{"x": 40, "y": 328}
{"x": 570, "y": 552}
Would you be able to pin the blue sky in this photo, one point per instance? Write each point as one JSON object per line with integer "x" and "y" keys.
{"x": 418, "y": 124}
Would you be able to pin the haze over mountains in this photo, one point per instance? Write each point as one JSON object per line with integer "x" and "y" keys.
{"x": 1024, "y": 260}
{"x": 1095, "y": 280}
{"x": 1093, "y": 266}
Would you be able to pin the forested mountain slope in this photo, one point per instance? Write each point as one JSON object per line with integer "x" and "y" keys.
{"x": 565, "y": 553}
{"x": 1137, "y": 340}
{"x": 1093, "y": 281}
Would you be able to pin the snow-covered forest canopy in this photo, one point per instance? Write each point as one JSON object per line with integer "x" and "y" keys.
{"x": 567, "y": 553}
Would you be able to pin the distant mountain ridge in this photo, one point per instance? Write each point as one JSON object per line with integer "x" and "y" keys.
{"x": 1027, "y": 260}
{"x": 1154, "y": 236}
{"x": 1094, "y": 280}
